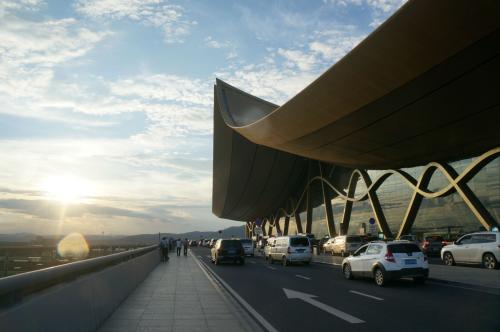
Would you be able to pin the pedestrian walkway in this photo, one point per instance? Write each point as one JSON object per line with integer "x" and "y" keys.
{"x": 178, "y": 296}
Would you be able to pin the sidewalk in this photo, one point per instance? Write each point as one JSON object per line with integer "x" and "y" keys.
{"x": 177, "y": 296}
{"x": 467, "y": 275}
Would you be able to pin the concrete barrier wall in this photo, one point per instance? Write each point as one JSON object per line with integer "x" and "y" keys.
{"x": 82, "y": 304}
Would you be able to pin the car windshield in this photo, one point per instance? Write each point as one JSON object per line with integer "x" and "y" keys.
{"x": 246, "y": 241}
{"x": 434, "y": 238}
{"x": 231, "y": 244}
{"x": 353, "y": 239}
{"x": 403, "y": 248}
{"x": 299, "y": 242}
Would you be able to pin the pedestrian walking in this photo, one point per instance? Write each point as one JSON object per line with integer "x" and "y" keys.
{"x": 178, "y": 245}
{"x": 164, "y": 249}
{"x": 185, "y": 245}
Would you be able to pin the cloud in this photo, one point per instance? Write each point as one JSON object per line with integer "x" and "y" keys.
{"x": 7, "y": 6}
{"x": 169, "y": 18}
{"x": 212, "y": 43}
{"x": 296, "y": 58}
{"x": 162, "y": 87}
{"x": 286, "y": 71}
{"x": 29, "y": 50}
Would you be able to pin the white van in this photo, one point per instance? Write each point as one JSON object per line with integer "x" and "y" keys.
{"x": 290, "y": 249}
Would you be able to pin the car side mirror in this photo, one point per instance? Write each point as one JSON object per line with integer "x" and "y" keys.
{"x": 457, "y": 243}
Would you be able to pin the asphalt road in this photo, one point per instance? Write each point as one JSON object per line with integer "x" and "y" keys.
{"x": 340, "y": 304}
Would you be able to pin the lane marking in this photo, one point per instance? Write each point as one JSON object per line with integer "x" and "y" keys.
{"x": 271, "y": 268}
{"x": 367, "y": 295}
{"x": 206, "y": 269}
{"x": 302, "y": 277}
{"x": 308, "y": 298}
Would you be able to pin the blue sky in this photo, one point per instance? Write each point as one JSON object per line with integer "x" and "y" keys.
{"x": 106, "y": 105}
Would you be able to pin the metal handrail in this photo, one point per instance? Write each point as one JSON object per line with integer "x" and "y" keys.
{"x": 14, "y": 288}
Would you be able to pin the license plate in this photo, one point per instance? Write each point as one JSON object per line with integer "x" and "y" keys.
{"x": 410, "y": 261}
{"x": 231, "y": 251}
{"x": 300, "y": 250}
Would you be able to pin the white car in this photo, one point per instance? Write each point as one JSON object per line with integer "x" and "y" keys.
{"x": 343, "y": 244}
{"x": 384, "y": 261}
{"x": 290, "y": 249}
{"x": 477, "y": 248}
{"x": 247, "y": 247}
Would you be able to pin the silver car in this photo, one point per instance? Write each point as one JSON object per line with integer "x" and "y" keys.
{"x": 476, "y": 248}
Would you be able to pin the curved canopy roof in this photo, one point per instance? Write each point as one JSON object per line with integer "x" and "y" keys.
{"x": 423, "y": 87}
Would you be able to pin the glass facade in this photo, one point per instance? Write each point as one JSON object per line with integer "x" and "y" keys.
{"x": 443, "y": 215}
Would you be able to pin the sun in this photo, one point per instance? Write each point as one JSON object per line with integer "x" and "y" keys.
{"x": 66, "y": 188}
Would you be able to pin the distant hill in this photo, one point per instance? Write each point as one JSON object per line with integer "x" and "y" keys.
{"x": 139, "y": 239}
{"x": 236, "y": 231}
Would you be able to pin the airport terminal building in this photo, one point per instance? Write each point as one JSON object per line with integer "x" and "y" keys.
{"x": 401, "y": 136}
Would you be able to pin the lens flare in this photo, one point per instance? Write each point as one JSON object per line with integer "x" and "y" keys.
{"x": 73, "y": 245}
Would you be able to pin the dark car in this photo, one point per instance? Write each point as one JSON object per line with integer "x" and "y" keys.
{"x": 432, "y": 245}
{"x": 228, "y": 251}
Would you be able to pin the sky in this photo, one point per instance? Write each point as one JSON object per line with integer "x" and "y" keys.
{"x": 106, "y": 105}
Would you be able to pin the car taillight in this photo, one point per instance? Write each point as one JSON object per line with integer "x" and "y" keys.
{"x": 426, "y": 244}
{"x": 289, "y": 250}
{"x": 389, "y": 256}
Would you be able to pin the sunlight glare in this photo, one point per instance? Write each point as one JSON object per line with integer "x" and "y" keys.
{"x": 66, "y": 188}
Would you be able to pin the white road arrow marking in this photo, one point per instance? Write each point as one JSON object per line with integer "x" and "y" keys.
{"x": 302, "y": 277}
{"x": 367, "y": 295}
{"x": 291, "y": 294}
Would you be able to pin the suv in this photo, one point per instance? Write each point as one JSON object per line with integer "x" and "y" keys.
{"x": 343, "y": 244}
{"x": 384, "y": 261}
{"x": 290, "y": 249}
{"x": 482, "y": 248}
{"x": 227, "y": 250}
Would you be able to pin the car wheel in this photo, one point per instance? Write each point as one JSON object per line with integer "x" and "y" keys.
{"x": 420, "y": 280}
{"x": 489, "y": 261}
{"x": 285, "y": 261}
{"x": 379, "y": 277}
{"x": 448, "y": 259}
{"x": 307, "y": 262}
{"x": 242, "y": 262}
{"x": 347, "y": 271}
